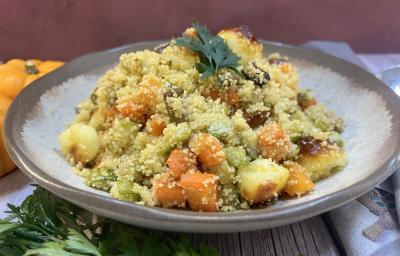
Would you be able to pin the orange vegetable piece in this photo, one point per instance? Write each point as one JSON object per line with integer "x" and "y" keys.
{"x": 229, "y": 96}
{"x": 111, "y": 112}
{"x": 232, "y": 99}
{"x": 132, "y": 110}
{"x": 286, "y": 67}
{"x": 201, "y": 190}
{"x": 273, "y": 142}
{"x": 168, "y": 192}
{"x": 157, "y": 127}
{"x": 181, "y": 161}
{"x": 299, "y": 181}
{"x": 208, "y": 149}
{"x": 307, "y": 103}
{"x": 138, "y": 105}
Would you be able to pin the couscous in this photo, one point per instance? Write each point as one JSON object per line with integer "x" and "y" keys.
{"x": 205, "y": 123}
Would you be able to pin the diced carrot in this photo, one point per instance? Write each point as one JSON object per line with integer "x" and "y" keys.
{"x": 230, "y": 96}
{"x": 286, "y": 67}
{"x": 273, "y": 142}
{"x": 150, "y": 80}
{"x": 132, "y": 110}
{"x": 157, "y": 126}
{"x": 168, "y": 192}
{"x": 138, "y": 105}
{"x": 299, "y": 181}
{"x": 181, "y": 161}
{"x": 208, "y": 149}
{"x": 232, "y": 99}
{"x": 211, "y": 93}
{"x": 307, "y": 103}
{"x": 201, "y": 190}
{"x": 111, "y": 112}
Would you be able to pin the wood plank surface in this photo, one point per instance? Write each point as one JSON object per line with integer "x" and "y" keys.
{"x": 309, "y": 237}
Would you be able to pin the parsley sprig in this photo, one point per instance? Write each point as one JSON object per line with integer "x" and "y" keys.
{"x": 213, "y": 51}
{"x": 45, "y": 225}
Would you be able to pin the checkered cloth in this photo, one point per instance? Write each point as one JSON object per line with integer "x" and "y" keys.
{"x": 368, "y": 225}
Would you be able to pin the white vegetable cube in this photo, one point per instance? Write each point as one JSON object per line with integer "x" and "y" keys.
{"x": 261, "y": 180}
{"x": 80, "y": 142}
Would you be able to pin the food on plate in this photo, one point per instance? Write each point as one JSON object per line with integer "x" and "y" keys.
{"x": 204, "y": 122}
{"x": 14, "y": 76}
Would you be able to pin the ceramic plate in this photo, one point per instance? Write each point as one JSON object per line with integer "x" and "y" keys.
{"x": 370, "y": 110}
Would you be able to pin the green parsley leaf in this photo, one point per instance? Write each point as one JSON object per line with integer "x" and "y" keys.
{"x": 214, "y": 53}
{"x": 45, "y": 225}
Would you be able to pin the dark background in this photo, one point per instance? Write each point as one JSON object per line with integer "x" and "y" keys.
{"x": 64, "y": 29}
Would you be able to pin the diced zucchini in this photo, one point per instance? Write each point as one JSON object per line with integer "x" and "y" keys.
{"x": 120, "y": 135}
{"x": 123, "y": 190}
{"x": 225, "y": 172}
{"x": 293, "y": 152}
{"x": 236, "y": 156}
{"x": 324, "y": 119}
{"x": 175, "y": 135}
{"x": 101, "y": 178}
{"x": 230, "y": 197}
{"x": 261, "y": 180}
{"x": 221, "y": 129}
{"x": 336, "y": 138}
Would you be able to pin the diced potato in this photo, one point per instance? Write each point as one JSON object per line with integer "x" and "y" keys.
{"x": 323, "y": 160}
{"x": 261, "y": 180}
{"x": 168, "y": 192}
{"x": 299, "y": 181}
{"x": 201, "y": 190}
{"x": 236, "y": 156}
{"x": 81, "y": 142}
{"x": 242, "y": 42}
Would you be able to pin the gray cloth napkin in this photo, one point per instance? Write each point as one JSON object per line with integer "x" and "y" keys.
{"x": 368, "y": 225}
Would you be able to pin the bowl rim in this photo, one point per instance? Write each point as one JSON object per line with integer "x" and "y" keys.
{"x": 178, "y": 220}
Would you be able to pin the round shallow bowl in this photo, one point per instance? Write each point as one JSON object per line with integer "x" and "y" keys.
{"x": 370, "y": 110}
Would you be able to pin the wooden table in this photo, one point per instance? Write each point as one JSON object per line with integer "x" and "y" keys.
{"x": 309, "y": 237}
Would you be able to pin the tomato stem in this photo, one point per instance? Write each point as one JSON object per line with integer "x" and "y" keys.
{"x": 31, "y": 68}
